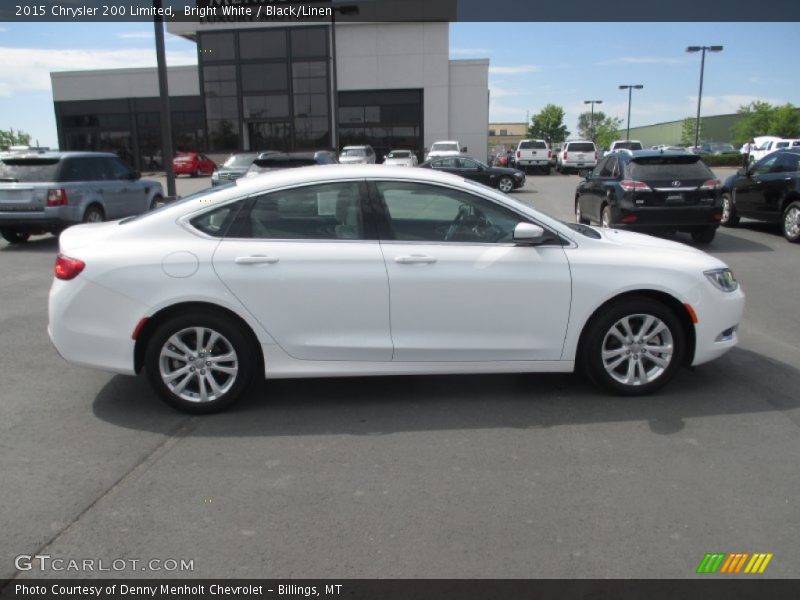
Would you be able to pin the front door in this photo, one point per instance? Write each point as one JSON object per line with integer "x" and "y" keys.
{"x": 461, "y": 289}
{"x": 301, "y": 261}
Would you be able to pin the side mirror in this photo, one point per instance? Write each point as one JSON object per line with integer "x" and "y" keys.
{"x": 585, "y": 173}
{"x": 528, "y": 233}
{"x": 464, "y": 150}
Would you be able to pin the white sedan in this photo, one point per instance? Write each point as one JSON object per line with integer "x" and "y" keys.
{"x": 357, "y": 270}
{"x": 400, "y": 158}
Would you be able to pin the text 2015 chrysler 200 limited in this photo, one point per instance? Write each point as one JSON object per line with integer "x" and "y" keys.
{"x": 364, "y": 270}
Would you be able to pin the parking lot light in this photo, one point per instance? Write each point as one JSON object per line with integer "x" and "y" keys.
{"x": 630, "y": 89}
{"x": 703, "y": 50}
{"x": 592, "y": 102}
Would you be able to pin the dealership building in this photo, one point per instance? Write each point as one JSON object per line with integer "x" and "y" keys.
{"x": 273, "y": 86}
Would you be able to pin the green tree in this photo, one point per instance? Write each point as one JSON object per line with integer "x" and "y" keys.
{"x": 688, "y": 131}
{"x": 755, "y": 121}
{"x": 585, "y": 123}
{"x": 549, "y": 125}
{"x": 785, "y": 121}
{"x": 13, "y": 138}
{"x": 606, "y": 130}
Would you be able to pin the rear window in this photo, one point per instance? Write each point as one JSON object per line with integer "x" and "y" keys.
{"x": 668, "y": 167}
{"x": 354, "y": 152}
{"x": 267, "y": 164}
{"x": 399, "y": 154}
{"x": 440, "y": 147}
{"x": 240, "y": 160}
{"x": 580, "y": 147}
{"x": 28, "y": 170}
{"x": 628, "y": 146}
{"x": 532, "y": 145}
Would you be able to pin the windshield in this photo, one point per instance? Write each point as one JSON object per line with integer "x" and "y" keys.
{"x": 240, "y": 160}
{"x": 353, "y": 152}
{"x": 28, "y": 170}
{"x": 399, "y": 154}
{"x": 444, "y": 147}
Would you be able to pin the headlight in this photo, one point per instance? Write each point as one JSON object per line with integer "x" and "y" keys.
{"x": 215, "y": 176}
{"x": 722, "y": 279}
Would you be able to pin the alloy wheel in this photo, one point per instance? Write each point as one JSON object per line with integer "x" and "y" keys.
{"x": 505, "y": 185}
{"x": 791, "y": 222}
{"x": 637, "y": 349}
{"x": 198, "y": 364}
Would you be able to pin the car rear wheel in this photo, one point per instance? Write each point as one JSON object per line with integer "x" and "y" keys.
{"x": 93, "y": 214}
{"x": 705, "y": 235}
{"x": 606, "y": 216}
{"x": 633, "y": 347}
{"x": 505, "y": 184}
{"x": 200, "y": 362}
{"x": 791, "y": 222}
{"x": 197, "y": 172}
{"x": 14, "y": 236}
{"x": 729, "y": 216}
{"x": 579, "y": 218}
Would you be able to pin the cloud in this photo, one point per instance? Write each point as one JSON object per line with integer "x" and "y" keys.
{"x": 729, "y": 103}
{"x": 514, "y": 70}
{"x": 136, "y": 35}
{"x": 469, "y": 51}
{"x": 501, "y": 92}
{"x": 28, "y": 69}
{"x": 643, "y": 60}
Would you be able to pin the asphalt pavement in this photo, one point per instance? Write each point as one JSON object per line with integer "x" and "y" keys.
{"x": 501, "y": 476}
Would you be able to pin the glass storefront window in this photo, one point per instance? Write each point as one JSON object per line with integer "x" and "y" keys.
{"x": 309, "y": 42}
{"x": 217, "y": 47}
{"x": 262, "y": 44}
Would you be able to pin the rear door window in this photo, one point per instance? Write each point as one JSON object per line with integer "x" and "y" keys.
{"x": 28, "y": 170}
{"x": 85, "y": 168}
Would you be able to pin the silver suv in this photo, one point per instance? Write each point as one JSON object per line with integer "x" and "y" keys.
{"x": 48, "y": 192}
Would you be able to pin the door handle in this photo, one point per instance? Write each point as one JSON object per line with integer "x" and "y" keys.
{"x": 256, "y": 260}
{"x": 415, "y": 259}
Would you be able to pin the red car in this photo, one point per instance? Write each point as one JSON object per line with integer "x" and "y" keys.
{"x": 193, "y": 164}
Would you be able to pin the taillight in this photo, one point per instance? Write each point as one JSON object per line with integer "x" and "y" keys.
{"x": 519, "y": 153}
{"x": 57, "y": 197}
{"x": 711, "y": 184}
{"x": 716, "y": 217}
{"x": 565, "y": 156}
{"x": 549, "y": 154}
{"x": 629, "y": 218}
{"x": 595, "y": 155}
{"x": 68, "y": 268}
{"x": 634, "y": 186}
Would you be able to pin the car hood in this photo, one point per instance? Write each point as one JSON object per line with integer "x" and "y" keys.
{"x": 505, "y": 171}
{"x": 631, "y": 239}
{"x": 397, "y": 161}
{"x": 436, "y": 153}
{"x": 236, "y": 170}
{"x": 344, "y": 160}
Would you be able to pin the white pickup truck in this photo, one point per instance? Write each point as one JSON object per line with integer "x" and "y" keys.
{"x": 533, "y": 154}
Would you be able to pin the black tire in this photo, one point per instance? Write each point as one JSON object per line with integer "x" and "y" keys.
{"x": 704, "y": 235}
{"x": 729, "y": 216}
{"x": 232, "y": 334}
{"x": 790, "y": 222}
{"x": 597, "y": 335}
{"x": 505, "y": 181}
{"x": 547, "y": 170}
{"x": 14, "y": 236}
{"x": 197, "y": 173}
{"x": 579, "y": 218}
{"x": 157, "y": 199}
{"x": 605, "y": 216}
{"x": 94, "y": 214}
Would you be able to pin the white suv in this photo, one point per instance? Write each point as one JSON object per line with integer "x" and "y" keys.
{"x": 577, "y": 154}
{"x": 626, "y": 145}
{"x": 445, "y": 148}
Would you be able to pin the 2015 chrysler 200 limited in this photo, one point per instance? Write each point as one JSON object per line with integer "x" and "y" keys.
{"x": 374, "y": 270}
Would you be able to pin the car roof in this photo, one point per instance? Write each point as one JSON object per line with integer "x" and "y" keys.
{"x": 356, "y": 147}
{"x": 445, "y": 142}
{"x": 58, "y": 155}
{"x": 652, "y": 153}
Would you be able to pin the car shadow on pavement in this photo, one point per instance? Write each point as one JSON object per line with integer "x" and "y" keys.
{"x": 725, "y": 242}
{"x": 742, "y": 382}
{"x": 45, "y": 243}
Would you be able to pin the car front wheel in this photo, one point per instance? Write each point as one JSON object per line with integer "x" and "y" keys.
{"x": 505, "y": 184}
{"x": 791, "y": 222}
{"x": 14, "y": 236}
{"x": 633, "y": 347}
{"x": 729, "y": 216}
{"x": 579, "y": 218}
{"x": 200, "y": 362}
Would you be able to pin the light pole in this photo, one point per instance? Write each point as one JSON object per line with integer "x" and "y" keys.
{"x": 702, "y": 49}
{"x": 630, "y": 89}
{"x": 163, "y": 92}
{"x": 592, "y": 102}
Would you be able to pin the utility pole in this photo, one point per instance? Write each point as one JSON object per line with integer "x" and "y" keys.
{"x": 703, "y": 50}
{"x": 630, "y": 89}
{"x": 592, "y": 102}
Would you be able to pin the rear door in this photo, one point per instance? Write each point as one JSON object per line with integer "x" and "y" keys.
{"x": 749, "y": 194}
{"x": 776, "y": 184}
{"x": 305, "y": 263}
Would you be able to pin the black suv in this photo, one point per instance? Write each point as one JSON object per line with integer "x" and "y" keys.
{"x": 768, "y": 190}
{"x": 270, "y": 161}
{"x": 651, "y": 191}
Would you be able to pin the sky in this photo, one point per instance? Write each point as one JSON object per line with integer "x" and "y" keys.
{"x": 531, "y": 65}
